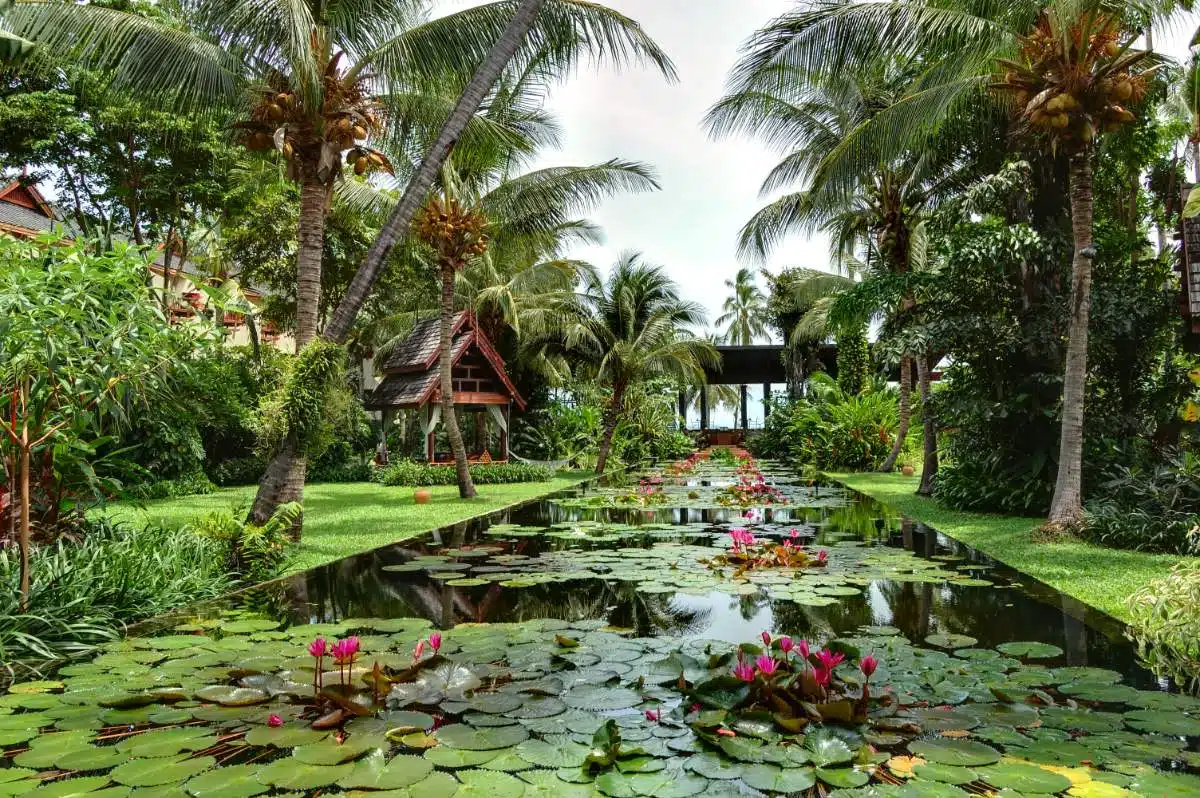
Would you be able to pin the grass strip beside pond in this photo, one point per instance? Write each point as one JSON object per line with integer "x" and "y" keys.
{"x": 345, "y": 519}
{"x": 1099, "y": 576}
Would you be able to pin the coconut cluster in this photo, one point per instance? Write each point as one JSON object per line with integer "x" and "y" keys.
{"x": 453, "y": 231}
{"x": 1076, "y": 82}
{"x": 348, "y": 117}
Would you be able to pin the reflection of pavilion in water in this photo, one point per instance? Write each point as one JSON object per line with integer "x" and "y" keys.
{"x": 360, "y": 587}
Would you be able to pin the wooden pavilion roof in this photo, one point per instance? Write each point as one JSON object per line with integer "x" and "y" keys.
{"x": 411, "y": 372}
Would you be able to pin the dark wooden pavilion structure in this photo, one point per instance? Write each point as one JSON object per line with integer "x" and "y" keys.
{"x": 481, "y": 385}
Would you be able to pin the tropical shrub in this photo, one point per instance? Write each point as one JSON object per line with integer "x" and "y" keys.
{"x": 239, "y": 471}
{"x": 253, "y": 553}
{"x": 831, "y": 430}
{"x": 1152, "y": 507}
{"x": 187, "y": 485}
{"x": 413, "y": 474}
{"x": 84, "y": 592}
{"x": 1165, "y": 623}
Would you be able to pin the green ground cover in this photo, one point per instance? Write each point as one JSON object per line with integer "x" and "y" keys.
{"x": 345, "y": 519}
{"x": 1095, "y": 575}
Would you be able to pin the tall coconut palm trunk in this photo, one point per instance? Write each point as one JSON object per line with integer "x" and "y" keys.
{"x": 466, "y": 488}
{"x": 905, "y": 414}
{"x": 283, "y": 481}
{"x": 929, "y": 467}
{"x": 1067, "y": 506}
{"x": 611, "y": 416}
{"x": 311, "y": 239}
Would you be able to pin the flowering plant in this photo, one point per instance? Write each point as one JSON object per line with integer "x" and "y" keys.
{"x": 790, "y": 681}
{"x": 747, "y": 553}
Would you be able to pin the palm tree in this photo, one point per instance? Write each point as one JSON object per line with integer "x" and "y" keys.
{"x": 491, "y": 236}
{"x": 1065, "y": 66}
{"x": 296, "y": 50}
{"x": 627, "y": 328}
{"x": 877, "y": 206}
{"x": 745, "y": 313}
{"x": 1074, "y": 71}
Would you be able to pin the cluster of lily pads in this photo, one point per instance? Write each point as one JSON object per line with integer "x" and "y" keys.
{"x": 236, "y": 706}
{"x": 693, "y": 559}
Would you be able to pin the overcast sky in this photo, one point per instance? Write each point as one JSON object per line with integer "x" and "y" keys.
{"x": 709, "y": 188}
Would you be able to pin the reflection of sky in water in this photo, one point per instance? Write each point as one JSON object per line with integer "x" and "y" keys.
{"x": 725, "y": 617}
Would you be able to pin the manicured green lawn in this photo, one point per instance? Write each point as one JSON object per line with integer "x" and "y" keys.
{"x": 340, "y": 520}
{"x": 1095, "y": 575}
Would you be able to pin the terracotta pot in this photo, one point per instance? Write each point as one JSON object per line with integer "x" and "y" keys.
{"x": 422, "y": 495}
{"x": 907, "y": 471}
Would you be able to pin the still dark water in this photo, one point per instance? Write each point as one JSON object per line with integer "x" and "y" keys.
{"x": 1012, "y": 608}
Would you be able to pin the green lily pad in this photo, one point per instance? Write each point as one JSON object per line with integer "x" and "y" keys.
{"x": 458, "y": 735}
{"x": 289, "y": 774}
{"x": 951, "y": 641}
{"x": 1024, "y": 778}
{"x": 233, "y": 781}
{"x": 488, "y": 784}
{"x": 453, "y": 758}
{"x": 69, "y": 788}
{"x": 331, "y": 752}
{"x": 947, "y": 774}
{"x": 376, "y": 772}
{"x": 1030, "y": 650}
{"x": 946, "y": 751}
{"x": 1163, "y": 722}
{"x": 154, "y": 772}
{"x": 557, "y": 754}
{"x": 776, "y": 779}
{"x": 842, "y": 777}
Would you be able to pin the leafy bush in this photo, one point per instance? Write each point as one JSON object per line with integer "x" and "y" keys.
{"x": 188, "y": 485}
{"x": 831, "y": 430}
{"x": 1150, "y": 508}
{"x": 239, "y": 471}
{"x": 339, "y": 472}
{"x": 254, "y": 553}
{"x": 84, "y": 592}
{"x": 413, "y": 474}
{"x": 1165, "y": 618}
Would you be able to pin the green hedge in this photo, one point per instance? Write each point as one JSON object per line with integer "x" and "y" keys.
{"x": 413, "y": 474}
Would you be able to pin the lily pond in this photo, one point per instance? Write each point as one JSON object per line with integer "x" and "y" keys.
{"x": 718, "y": 628}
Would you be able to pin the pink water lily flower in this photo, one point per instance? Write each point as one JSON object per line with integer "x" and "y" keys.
{"x": 829, "y": 660}
{"x": 345, "y": 650}
{"x": 654, "y": 716}
{"x": 766, "y": 638}
{"x": 786, "y": 645}
{"x": 274, "y": 721}
{"x": 803, "y": 647}
{"x": 867, "y": 665}
{"x": 435, "y": 642}
{"x": 418, "y": 650}
{"x": 822, "y": 675}
{"x": 794, "y": 533}
{"x": 744, "y": 671}
{"x": 822, "y": 556}
{"x": 766, "y": 665}
{"x": 318, "y": 648}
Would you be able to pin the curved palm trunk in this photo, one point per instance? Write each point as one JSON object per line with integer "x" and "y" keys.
{"x": 466, "y": 488}
{"x": 611, "y": 416}
{"x": 929, "y": 467}
{"x": 905, "y": 414}
{"x": 398, "y": 223}
{"x": 1067, "y": 506}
